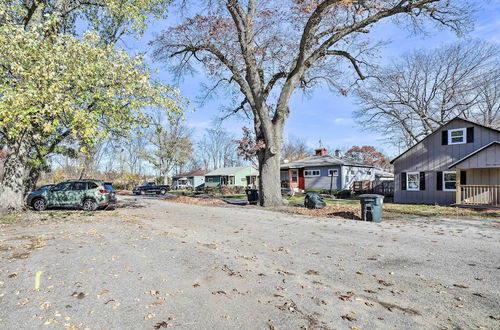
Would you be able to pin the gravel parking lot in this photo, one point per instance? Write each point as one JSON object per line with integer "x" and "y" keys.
{"x": 154, "y": 264}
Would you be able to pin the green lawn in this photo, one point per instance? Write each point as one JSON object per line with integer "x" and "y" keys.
{"x": 392, "y": 210}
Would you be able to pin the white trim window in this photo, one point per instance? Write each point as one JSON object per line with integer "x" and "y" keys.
{"x": 413, "y": 181}
{"x": 457, "y": 136}
{"x": 333, "y": 172}
{"x": 449, "y": 181}
{"x": 310, "y": 173}
{"x": 294, "y": 174}
{"x": 369, "y": 172}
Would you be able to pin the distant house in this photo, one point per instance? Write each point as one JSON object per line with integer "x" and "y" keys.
{"x": 459, "y": 163}
{"x": 194, "y": 179}
{"x": 323, "y": 171}
{"x": 381, "y": 175}
{"x": 232, "y": 176}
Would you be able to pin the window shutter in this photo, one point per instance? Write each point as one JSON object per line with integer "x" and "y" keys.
{"x": 422, "y": 180}
{"x": 403, "y": 181}
{"x": 470, "y": 134}
{"x": 444, "y": 138}
{"x": 439, "y": 180}
{"x": 463, "y": 177}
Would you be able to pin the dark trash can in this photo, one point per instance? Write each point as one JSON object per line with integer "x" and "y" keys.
{"x": 314, "y": 201}
{"x": 253, "y": 196}
{"x": 371, "y": 207}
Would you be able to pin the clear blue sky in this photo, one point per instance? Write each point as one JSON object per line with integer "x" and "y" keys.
{"x": 324, "y": 115}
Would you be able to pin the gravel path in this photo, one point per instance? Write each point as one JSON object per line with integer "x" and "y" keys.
{"x": 154, "y": 264}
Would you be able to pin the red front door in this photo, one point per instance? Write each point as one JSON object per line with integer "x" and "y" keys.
{"x": 301, "y": 179}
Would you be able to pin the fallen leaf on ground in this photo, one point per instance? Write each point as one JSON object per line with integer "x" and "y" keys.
{"x": 162, "y": 324}
{"x": 312, "y": 272}
{"x": 348, "y": 318}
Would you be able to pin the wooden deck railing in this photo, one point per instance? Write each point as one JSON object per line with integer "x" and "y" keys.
{"x": 479, "y": 195}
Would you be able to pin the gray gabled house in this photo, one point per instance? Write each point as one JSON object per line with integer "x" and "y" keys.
{"x": 323, "y": 172}
{"x": 459, "y": 163}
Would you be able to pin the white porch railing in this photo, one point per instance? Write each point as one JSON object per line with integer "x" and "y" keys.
{"x": 479, "y": 195}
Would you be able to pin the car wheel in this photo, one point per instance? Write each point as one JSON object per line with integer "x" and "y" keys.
{"x": 163, "y": 191}
{"x": 89, "y": 205}
{"x": 39, "y": 204}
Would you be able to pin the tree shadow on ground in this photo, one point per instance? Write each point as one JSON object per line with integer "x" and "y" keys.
{"x": 345, "y": 215}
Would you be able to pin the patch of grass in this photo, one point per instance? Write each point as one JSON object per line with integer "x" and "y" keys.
{"x": 299, "y": 200}
{"x": 401, "y": 210}
{"x": 393, "y": 211}
{"x": 9, "y": 218}
{"x": 180, "y": 192}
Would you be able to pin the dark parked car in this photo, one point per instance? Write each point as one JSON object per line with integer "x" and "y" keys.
{"x": 112, "y": 192}
{"x": 151, "y": 188}
{"x": 85, "y": 194}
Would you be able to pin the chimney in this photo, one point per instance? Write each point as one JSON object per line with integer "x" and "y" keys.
{"x": 320, "y": 152}
{"x": 338, "y": 153}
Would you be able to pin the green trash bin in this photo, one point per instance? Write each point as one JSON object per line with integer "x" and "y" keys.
{"x": 371, "y": 207}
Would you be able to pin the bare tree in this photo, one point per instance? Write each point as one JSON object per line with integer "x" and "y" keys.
{"x": 267, "y": 49}
{"x": 217, "y": 148}
{"x": 295, "y": 148}
{"x": 169, "y": 144}
{"x": 414, "y": 95}
{"x": 488, "y": 102}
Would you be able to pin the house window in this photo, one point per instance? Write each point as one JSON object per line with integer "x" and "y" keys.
{"x": 413, "y": 181}
{"x": 449, "y": 181}
{"x": 295, "y": 175}
{"x": 312, "y": 173}
{"x": 210, "y": 179}
{"x": 369, "y": 172}
{"x": 456, "y": 136}
{"x": 352, "y": 172}
{"x": 332, "y": 172}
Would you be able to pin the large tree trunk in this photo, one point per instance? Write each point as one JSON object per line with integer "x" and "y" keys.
{"x": 32, "y": 179}
{"x": 14, "y": 175}
{"x": 269, "y": 161}
{"x": 269, "y": 179}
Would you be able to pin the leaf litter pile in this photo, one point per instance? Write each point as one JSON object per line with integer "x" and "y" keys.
{"x": 330, "y": 211}
{"x": 196, "y": 201}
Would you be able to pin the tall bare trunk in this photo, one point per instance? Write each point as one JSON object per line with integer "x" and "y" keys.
{"x": 269, "y": 179}
{"x": 14, "y": 175}
{"x": 269, "y": 160}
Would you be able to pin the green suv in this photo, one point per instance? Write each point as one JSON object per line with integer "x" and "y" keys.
{"x": 85, "y": 194}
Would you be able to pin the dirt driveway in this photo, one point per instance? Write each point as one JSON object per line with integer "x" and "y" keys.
{"x": 157, "y": 264}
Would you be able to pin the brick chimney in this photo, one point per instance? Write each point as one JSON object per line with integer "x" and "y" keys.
{"x": 321, "y": 152}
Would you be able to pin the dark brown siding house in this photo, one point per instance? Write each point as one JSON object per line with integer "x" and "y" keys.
{"x": 459, "y": 163}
